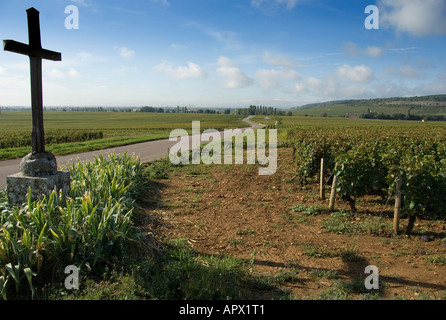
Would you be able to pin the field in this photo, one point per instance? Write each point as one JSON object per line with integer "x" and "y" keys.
{"x": 225, "y": 232}
{"x": 99, "y": 130}
{"x": 288, "y": 240}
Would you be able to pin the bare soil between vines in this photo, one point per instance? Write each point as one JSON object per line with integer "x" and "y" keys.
{"x": 230, "y": 210}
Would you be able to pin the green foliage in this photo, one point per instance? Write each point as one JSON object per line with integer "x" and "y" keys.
{"x": 368, "y": 160}
{"x": 180, "y": 273}
{"x": 23, "y": 138}
{"x": 91, "y": 227}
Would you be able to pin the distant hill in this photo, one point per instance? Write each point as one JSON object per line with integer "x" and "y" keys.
{"x": 433, "y": 105}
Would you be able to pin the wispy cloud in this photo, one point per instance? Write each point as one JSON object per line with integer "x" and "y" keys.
{"x": 164, "y": 3}
{"x": 90, "y": 4}
{"x": 190, "y": 71}
{"x": 274, "y": 5}
{"x": 83, "y": 3}
{"x": 360, "y": 73}
{"x": 352, "y": 50}
{"x": 404, "y": 71}
{"x": 125, "y": 52}
{"x": 279, "y": 60}
{"x": 229, "y": 39}
{"x": 272, "y": 79}
{"x": 56, "y": 73}
{"x": 176, "y": 46}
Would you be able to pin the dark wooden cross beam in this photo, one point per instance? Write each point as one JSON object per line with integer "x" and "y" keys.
{"x": 36, "y": 54}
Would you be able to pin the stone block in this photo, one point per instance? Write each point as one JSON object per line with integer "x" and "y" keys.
{"x": 39, "y": 164}
{"x": 18, "y": 185}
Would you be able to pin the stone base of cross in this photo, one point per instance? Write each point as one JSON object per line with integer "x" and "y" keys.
{"x": 19, "y": 186}
{"x": 38, "y": 175}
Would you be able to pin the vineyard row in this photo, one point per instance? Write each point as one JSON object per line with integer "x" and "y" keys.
{"x": 23, "y": 138}
{"x": 370, "y": 160}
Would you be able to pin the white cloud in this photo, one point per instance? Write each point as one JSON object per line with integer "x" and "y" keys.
{"x": 278, "y": 60}
{"x": 192, "y": 70}
{"x": 84, "y": 56}
{"x": 405, "y": 71}
{"x": 72, "y": 73}
{"x": 300, "y": 87}
{"x": 235, "y": 78}
{"x": 271, "y": 79}
{"x": 351, "y": 49}
{"x": 229, "y": 39}
{"x": 360, "y": 73}
{"x": 55, "y": 73}
{"x": 416, "y": 17}
{"x": 125, "y": 53}
{"x": 313, "y": 82}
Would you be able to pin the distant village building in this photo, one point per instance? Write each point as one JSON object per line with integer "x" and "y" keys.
{"x": 352, "y": 116}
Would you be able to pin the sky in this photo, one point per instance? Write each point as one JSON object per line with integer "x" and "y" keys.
{"x": 227, "y": 53}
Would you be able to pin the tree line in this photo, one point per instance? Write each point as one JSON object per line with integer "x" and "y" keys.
{"x": 262, "y": 110}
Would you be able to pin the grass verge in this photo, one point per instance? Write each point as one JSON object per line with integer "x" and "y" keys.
{"x": 78, "y": 147}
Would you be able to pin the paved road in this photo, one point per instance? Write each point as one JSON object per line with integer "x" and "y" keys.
{"x": 146, "y": 151}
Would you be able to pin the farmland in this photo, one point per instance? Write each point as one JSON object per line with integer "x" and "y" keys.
{"x": 72, "y": 132}
{"x": 224, "y": 232}
{"x": 287, "y": 235}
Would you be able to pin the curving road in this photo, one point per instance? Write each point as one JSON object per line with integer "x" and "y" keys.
{"x": 146, "y": 151}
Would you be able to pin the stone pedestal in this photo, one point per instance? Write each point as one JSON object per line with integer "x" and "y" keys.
{"x": 18, "y": 186}
{"x": 38, "y": 172}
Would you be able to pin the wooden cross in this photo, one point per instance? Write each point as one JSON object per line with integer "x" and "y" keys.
{"x": 36, "y": 54}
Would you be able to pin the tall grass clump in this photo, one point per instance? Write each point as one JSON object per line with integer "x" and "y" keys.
{"x": 90, "y": 227}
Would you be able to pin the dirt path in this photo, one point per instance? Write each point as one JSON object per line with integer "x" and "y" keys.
{"x": 230, "y": 210}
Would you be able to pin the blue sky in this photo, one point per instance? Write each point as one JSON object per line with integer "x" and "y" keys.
{"x": 227, "y": 53}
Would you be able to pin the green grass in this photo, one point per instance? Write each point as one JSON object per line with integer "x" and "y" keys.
{"x": 441, "y": 260}
{"x": 78, "y": 147}
{"x": 342, "y": 222}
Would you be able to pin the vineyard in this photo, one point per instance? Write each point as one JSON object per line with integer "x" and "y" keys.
{"x": 15, "y": 139}
{"x": 369, "y": 161}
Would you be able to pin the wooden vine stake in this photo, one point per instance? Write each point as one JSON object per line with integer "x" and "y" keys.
{"x": 398, "y": 198}
{"x": 333, "y": 193}
{"x": 322, "y": 191}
